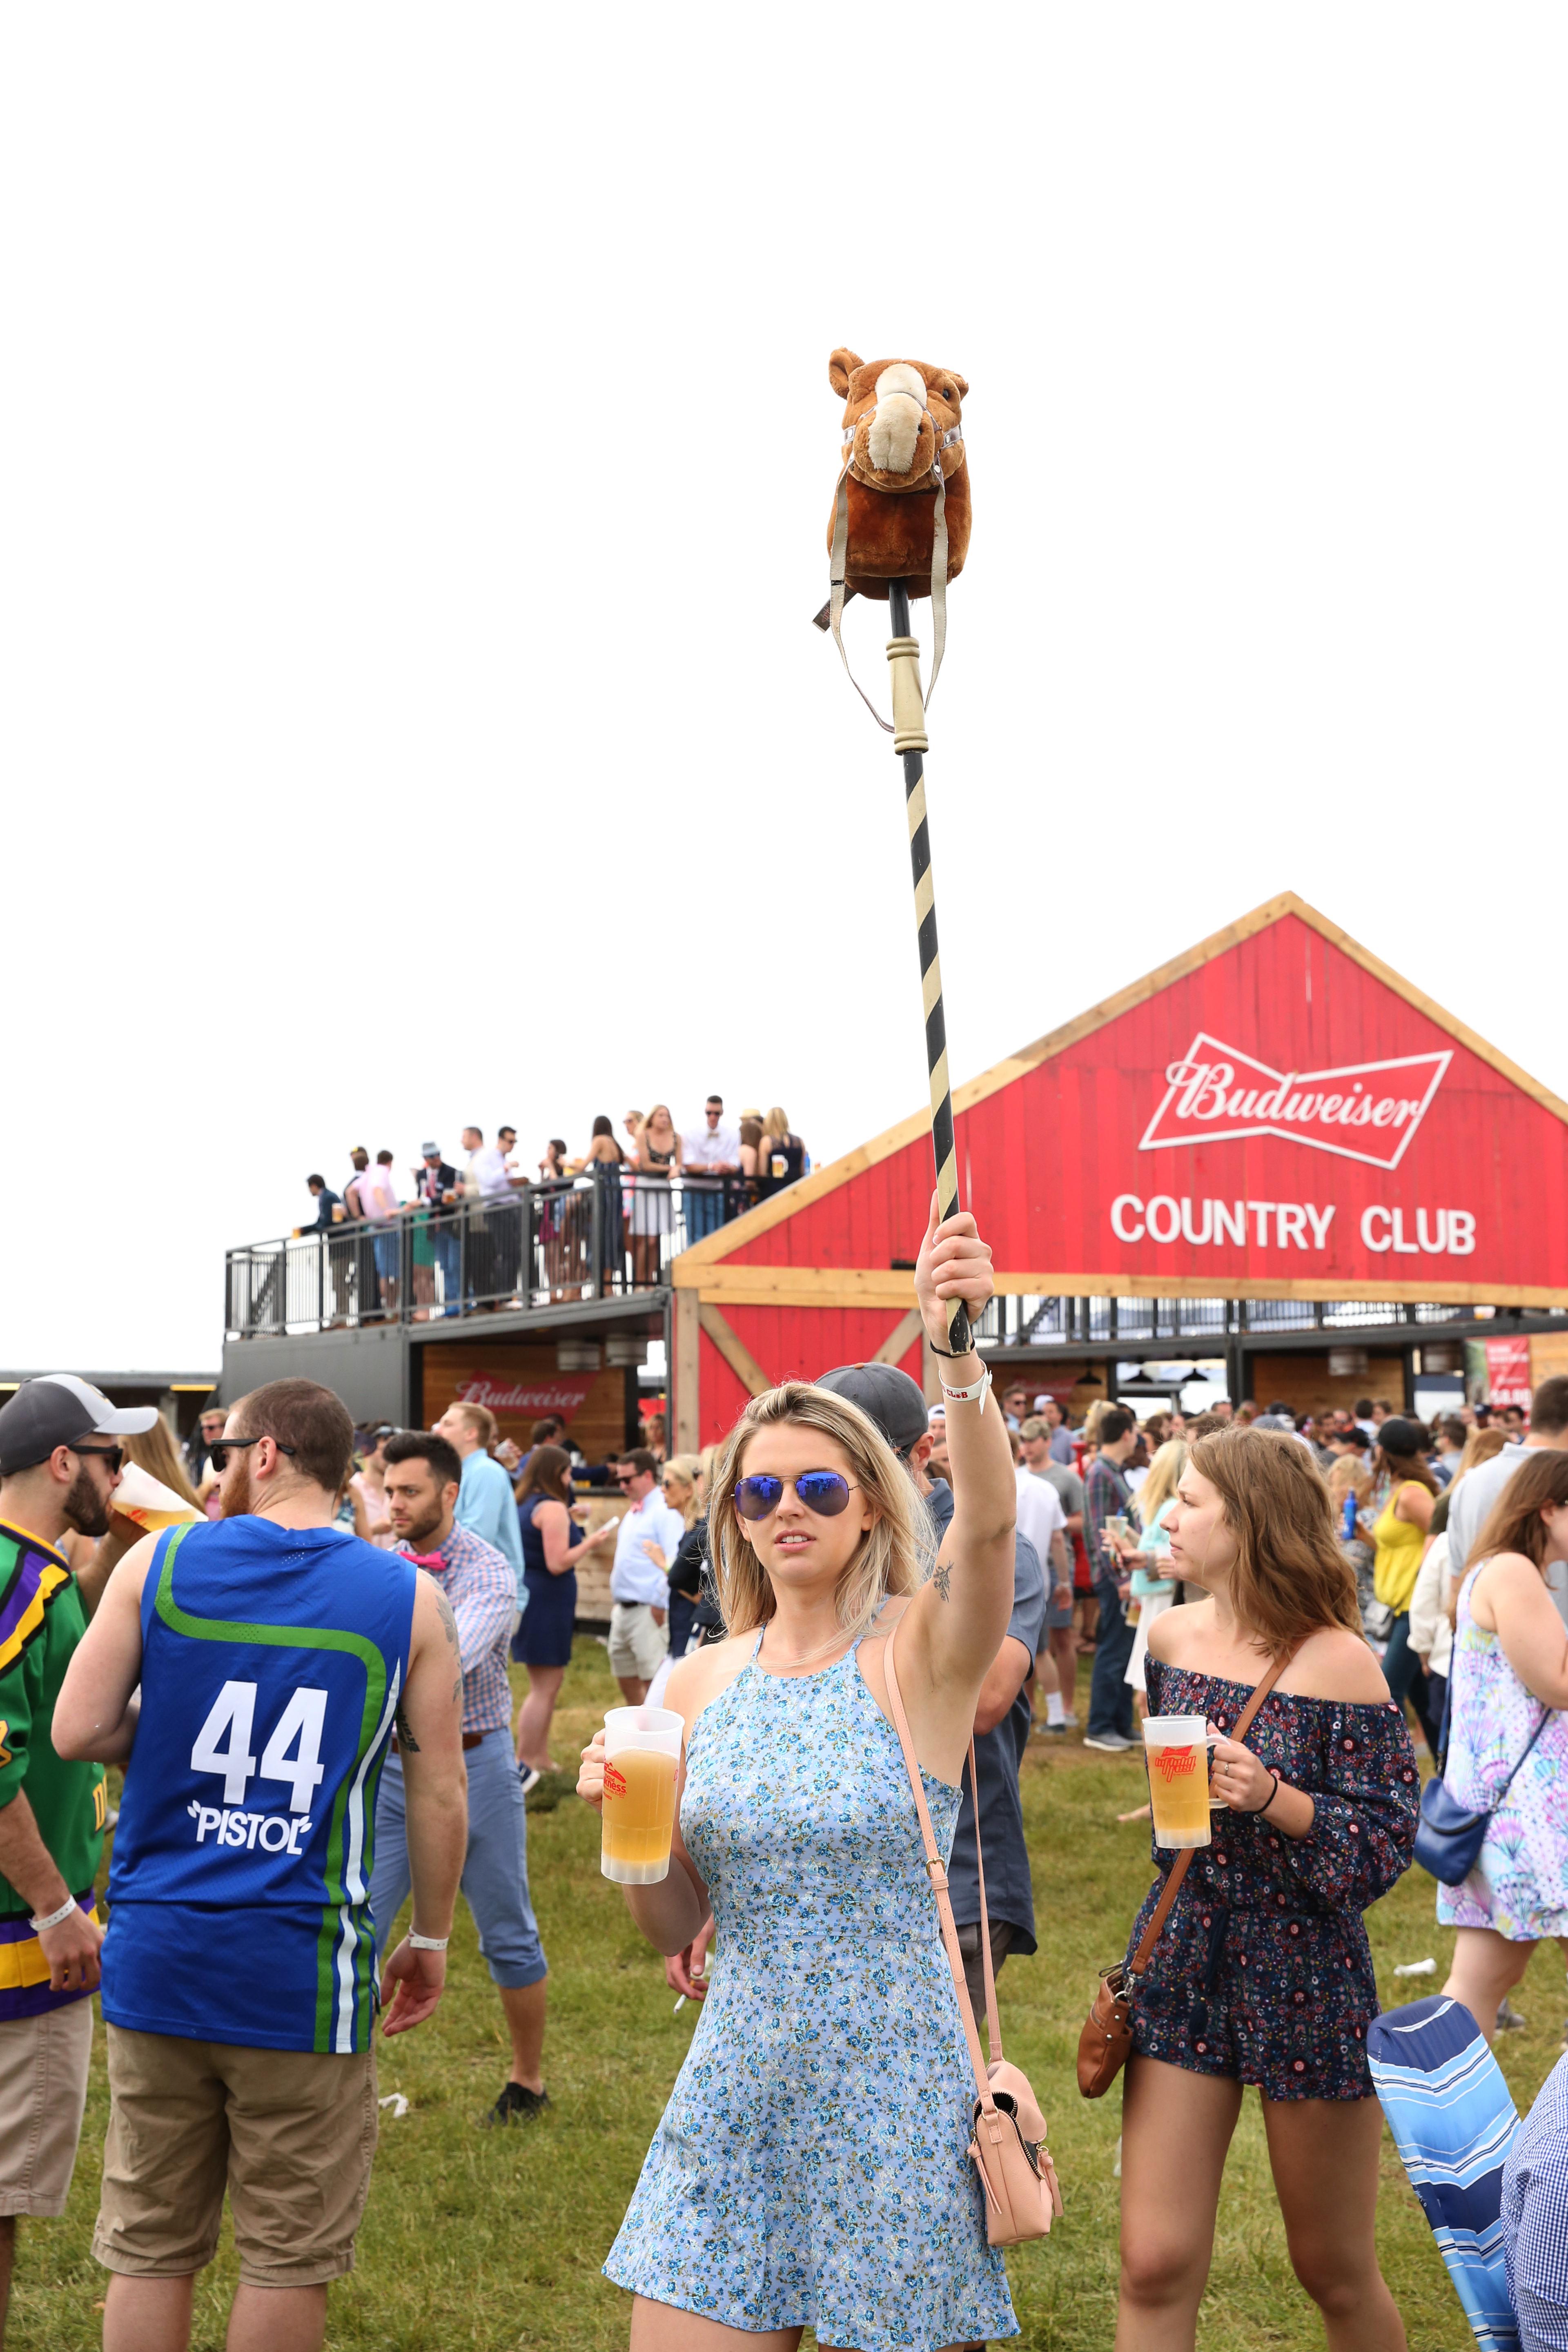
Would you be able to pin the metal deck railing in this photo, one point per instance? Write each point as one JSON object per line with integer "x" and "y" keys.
{"x": 604, "y": 1235}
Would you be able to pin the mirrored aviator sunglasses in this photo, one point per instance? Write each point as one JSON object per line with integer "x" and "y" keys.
{"x": 823, "y": 1492}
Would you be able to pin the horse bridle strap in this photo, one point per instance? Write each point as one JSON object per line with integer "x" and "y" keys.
{"x": 938, "y": 570}
{"x": 950, "y": 439}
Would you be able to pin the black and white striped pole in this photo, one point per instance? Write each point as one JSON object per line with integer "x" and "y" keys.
{"x": 910, "y": 741}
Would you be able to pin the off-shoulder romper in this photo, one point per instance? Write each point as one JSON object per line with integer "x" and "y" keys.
{"x": 1262, "y": 1971}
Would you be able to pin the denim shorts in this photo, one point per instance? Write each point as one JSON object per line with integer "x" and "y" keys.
{"x": 495, "y": 1874}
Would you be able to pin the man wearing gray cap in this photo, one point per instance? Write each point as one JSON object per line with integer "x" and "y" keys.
{"x": 60, "y": 1466}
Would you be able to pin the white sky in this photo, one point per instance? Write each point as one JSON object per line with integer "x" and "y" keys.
{"x": 419, "y": 448}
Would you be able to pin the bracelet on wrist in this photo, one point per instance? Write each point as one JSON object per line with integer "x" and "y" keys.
{"x": 954, "y": 1355}
{"x": 967, "y": 1395}
{"x": 1262, "y": 1810}
{"x": 56, "y": 1919}
{"x": 428, "y": 1943}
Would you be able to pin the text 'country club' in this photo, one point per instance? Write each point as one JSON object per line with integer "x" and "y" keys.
{"x": 1440, "y": 1233}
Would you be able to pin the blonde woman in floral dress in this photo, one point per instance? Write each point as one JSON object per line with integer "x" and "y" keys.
{"x": 810, "y": 2167}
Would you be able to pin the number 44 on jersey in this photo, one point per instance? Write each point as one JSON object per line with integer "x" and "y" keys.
{"x": 225, "y": 1742}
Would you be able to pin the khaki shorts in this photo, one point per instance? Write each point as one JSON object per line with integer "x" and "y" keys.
{"x": 43, "y": 2090}
{"x": 291, "y": 2133}
{"x": 637, "y": 1645}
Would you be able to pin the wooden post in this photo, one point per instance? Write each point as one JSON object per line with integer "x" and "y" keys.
{"x": 687, "y": 1424}
{"x": 911, "y": 742}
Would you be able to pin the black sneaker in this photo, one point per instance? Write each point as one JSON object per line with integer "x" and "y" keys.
{"x": 515, "y": 2106}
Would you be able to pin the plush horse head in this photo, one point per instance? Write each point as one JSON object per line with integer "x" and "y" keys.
{"x": 901, "y": 433}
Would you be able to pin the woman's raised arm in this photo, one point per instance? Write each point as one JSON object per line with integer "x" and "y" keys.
{"x": 957, "y": 1621}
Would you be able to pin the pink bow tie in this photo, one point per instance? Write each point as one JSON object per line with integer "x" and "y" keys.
{"x": 430, "y": 1560}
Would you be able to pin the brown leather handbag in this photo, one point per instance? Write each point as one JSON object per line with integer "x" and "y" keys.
{"x": 1105, "y": 2043}
{"x": 1008, "y": 2149}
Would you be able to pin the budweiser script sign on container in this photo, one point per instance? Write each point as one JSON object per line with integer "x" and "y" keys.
{"x": 561, "y": 1395}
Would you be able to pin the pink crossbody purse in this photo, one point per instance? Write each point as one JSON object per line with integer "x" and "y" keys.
{"x": 1008, "y": 2149}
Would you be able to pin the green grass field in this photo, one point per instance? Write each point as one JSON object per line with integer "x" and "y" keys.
{"x": 491, "y": 2240}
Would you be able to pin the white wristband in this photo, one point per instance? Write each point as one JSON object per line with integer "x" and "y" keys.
{"x": 428, "y": 1943}
{"x": 975, "y": 1388}
{"x": 55, "y": 1920}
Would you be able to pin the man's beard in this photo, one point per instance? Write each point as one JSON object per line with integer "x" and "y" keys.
{"x": 235, "y": 1492}
{"x": 85, "y": 1507}
{"x": 417, "y": 1533}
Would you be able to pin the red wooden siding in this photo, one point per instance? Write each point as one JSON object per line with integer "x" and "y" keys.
{"x": 1044, "y": 1158}
{"x": 790, "y": 1343}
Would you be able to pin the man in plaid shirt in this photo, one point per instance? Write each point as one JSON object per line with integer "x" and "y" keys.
{"x": 1535, "y": 2217}
{"x": 423, "y": 1475}
{"x": 1107, "y": 1493}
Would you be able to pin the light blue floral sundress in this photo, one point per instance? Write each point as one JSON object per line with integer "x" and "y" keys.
{"x": 811, "y": 2167}
{"x": 1520, "y": 1883}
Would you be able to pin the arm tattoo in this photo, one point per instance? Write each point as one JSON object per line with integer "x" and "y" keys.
{"x": 941, "y": 1577}
{"x": 405, "y": 1737}
{"x": 449, "y": 1622}
{"x": 457, "y": 1692}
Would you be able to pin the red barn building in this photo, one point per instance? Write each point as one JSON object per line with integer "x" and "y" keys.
{"x": 1273, "y": 1157}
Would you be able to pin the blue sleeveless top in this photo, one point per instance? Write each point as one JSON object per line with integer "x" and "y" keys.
{"x": 533, "y": 1541}
{"x": 273, "y": 1659}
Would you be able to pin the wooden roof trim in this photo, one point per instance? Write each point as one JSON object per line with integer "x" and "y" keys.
{"x": 824, "y": 1180}
{"x": 878, "y": 1289}
{"x": 1433, "y": 1012}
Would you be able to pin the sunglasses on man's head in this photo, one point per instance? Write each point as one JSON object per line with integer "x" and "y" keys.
{"x": 824, "y": 1492}
{"x": 220, "y": 1452}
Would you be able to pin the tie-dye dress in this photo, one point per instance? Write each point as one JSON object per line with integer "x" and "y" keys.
{"x": 1520, "y": 1883}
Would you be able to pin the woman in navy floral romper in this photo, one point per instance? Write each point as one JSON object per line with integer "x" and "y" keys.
{"x": 1262, "y": 1972}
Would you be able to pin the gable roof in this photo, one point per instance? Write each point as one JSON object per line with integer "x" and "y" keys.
{"x": 815, "y": 1187}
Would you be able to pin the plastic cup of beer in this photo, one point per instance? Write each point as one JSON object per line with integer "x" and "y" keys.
{"x": 642, "y": 1749}
{"x": 149, "y": 1502}
{"x": 1176, "y": 1747}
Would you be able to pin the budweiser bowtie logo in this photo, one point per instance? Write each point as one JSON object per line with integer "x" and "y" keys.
{"x": 1175, "y": 1763}
{"x": 1365, "y": 1110}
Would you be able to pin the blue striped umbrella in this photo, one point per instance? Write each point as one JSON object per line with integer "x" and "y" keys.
{"x": 1453, "y": 2123}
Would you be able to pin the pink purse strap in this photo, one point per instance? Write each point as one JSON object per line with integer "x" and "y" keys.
{"x": 938, "y": 1874}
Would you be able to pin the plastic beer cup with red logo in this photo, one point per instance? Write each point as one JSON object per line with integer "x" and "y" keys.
{"x": 642, "y": 1750}
{"x": 1177, "y": 1749}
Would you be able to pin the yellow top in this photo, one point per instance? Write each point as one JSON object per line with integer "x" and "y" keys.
{"x": 1400, "y": 1544}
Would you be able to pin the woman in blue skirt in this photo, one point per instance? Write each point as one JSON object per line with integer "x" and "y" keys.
{"x": 810, "y": 2167}
{"x": 543, "y": 1642}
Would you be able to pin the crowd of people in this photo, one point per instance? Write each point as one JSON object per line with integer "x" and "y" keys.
{"x": 1115, "y": 1478}
{"x": 664, "y": 1187}
{"x": 305, "y": 1681}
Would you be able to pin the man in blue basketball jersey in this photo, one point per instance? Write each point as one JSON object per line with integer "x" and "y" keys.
{"x": 274, "y": 1652}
